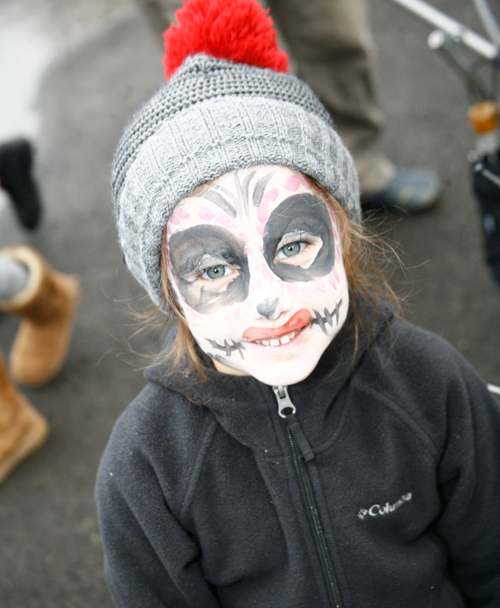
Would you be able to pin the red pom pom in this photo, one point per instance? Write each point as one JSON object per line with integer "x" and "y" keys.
{"x": 236, "y": 30}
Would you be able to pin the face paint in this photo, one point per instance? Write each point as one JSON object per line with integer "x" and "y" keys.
{"x": 257, "y": 269}
{"x": 201, "y": 254}
{"x": 300, "y": 218}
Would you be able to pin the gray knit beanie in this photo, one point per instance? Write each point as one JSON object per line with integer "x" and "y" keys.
{"x": 215, "y": 116}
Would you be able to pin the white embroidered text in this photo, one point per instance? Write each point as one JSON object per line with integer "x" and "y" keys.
{"x": 376, "y": 510}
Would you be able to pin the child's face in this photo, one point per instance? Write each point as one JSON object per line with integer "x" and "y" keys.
{"x": 256, "y": 264}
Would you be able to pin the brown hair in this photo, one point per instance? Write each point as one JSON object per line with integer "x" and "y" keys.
{"x": 365, "y": 258}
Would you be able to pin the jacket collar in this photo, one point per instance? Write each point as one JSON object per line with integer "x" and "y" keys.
{"x": 247, "y": 409}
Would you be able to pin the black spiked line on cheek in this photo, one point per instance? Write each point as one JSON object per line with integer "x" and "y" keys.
{"x": 228, "y": 348}
{"x": 327, "y": 317}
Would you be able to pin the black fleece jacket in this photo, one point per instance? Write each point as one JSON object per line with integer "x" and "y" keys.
{"x": 199, "y": 504}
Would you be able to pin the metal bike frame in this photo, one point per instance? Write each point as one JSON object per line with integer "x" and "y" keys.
{"x": 457, "y": 31}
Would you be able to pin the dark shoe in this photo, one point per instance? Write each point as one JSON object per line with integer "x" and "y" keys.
{"x": 16, "y": 159}
{"x": 488, "y": 196}
{"x": 411, "y": 190}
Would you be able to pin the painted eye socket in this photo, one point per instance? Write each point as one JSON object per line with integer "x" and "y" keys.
{"x": 298, "y": 249}
{"x": 216, "y": 272}
{"x": 290, "y": 250}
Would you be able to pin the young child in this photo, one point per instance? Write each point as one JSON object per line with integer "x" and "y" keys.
{"x": 296, "y": 445}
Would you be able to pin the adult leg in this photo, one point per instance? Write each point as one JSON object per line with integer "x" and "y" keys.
{"x": 332, "y": 46}
{"x": 333, "y": 49}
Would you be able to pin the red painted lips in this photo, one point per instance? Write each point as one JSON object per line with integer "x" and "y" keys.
{"x": 298, "y": 321}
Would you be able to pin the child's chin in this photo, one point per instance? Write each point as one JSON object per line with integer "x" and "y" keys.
{"x": 283, "y": 374}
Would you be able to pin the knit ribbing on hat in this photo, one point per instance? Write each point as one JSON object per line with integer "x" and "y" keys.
{"x": 212, "y": 117}
{"x": 199, "y": 79}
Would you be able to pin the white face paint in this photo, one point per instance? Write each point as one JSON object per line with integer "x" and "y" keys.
{"x": 256, "y": 265}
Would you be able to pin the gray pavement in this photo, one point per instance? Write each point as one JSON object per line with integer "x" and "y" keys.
{"x": 50, "y": 553}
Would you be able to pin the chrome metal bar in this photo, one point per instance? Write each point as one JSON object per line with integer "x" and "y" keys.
{"x": 494, "y": 389}
{"x": 445, "y": 45}
{"x": 453, "y": 28}
{"x": 490, "y": 23}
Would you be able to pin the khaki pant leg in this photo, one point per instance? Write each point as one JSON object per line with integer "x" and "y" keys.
{"x": 159, "y": 14}
{"x": 333, "y": 50}
{"x": 332, "y": 47}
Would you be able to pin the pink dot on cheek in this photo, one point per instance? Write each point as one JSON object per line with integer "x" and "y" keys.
{"x": 255, "y": 284}
{"x": 292, "y": 183}
{"x": 192, "y": 316}
{"x": 174, "y": 220}
{"x": 263, "y": 212}
{"x": 315, "y": 287}
{"x": 266, "y": 273}
{"x": 183, "y": 213}
{"x": 222, "y": 218}
{"x": 206, "y": 214}
{"x": 270, "y": 196}
{"x": 249, "y": 250}
{"x": 304, "y": 290}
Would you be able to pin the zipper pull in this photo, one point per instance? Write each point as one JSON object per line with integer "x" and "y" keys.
{"x": 286, "y": 409}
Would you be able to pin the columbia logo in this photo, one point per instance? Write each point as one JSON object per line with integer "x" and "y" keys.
{"x": 376, "y": 510}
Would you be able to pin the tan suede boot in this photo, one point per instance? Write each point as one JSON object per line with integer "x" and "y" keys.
{"x": 47, "y": 307}
{"x": 22, "y": 429}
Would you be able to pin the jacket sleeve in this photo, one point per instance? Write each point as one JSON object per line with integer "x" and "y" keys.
{"x": 150, "y": 560}
{"x": 469, "y": 482}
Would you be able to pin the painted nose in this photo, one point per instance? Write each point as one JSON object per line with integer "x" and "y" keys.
{"x": 269, "y": 296}
{"x": 269, "y": 308}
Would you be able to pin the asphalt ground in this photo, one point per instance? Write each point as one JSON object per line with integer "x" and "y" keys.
{"x": 50, "y": 551}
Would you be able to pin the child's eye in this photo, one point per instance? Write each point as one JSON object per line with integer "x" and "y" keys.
{"x": 298, "y": 249}
{"x": 290, "y": 250}
{"x": 216, "y": 272}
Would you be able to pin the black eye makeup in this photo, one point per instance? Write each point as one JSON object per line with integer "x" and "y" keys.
{"x": 298, "y": 240}
{"x": 209, "y": 266}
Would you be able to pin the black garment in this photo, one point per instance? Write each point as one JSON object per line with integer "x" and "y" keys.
{"x": 16, "y": 160}
{"x": 199, "y": 504}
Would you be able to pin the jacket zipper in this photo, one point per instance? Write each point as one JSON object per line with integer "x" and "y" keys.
{"x": 302, "y": 454}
